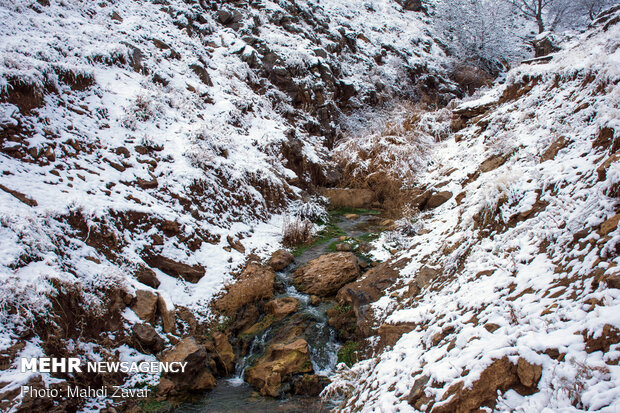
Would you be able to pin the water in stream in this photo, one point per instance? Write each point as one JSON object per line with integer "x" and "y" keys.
{"x": 235, "y": 395}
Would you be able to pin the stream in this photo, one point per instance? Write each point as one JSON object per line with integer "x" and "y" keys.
{"x": 234, "y": 394}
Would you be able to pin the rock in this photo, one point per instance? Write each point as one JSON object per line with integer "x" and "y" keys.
{"x": 349, "y": 198}
{"x": 145, "y": 305}
{"x": 602, "y": 169}
{"x": 280, "y": 259}
{"x": 553, "y": 149}
{"x": 417, "y": 392}
{"x": 610, "y": 225}
{"x": 197, "y": 376}
{"x": 351, "y": 217}
{"x": 225, "y": 353}
{"x": 166, "y": 311}
{"x": 171, "y": 228}
{"x": 391, "y": 333}
{"x": 437, "y": 199}
{"x": 608, "y": 337}
{"x": 147, "y": 276}
{"x": 412, "y": 5}
{"x": 160, "y": 44}
{"x": 323, "y": 276}
{"x": 501, "y": 375}
{"x": 144, "y": 184}
{"x": 361, "y": 293}
{"x": 309, "y": 385}
{"x": 20, "y": 196}
{"x": 254, "y": 284}
{"x": 235, "y": 244}
{"x": 343, "y": 247}
{"x": 280, "y": 362}
{"x": 387, "y": 223}
{"x": 202, "y": 74}
{"x": 146, "y": 338}
{"x": 176, "y": 269}
{"x": 116, "y": 16}
{"x": 606, "y": 140}
{"x": 281, "y": 307}
{"x": 315, "y": 300}
{"x": 529, "y": 374}
{"x": 493, "y": 163}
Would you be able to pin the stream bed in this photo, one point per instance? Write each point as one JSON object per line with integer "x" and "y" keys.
{"x": 234, "y": 394}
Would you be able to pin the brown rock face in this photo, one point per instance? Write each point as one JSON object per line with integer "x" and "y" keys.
{"x": 610, "y": 225}
{"x": 176, "y": 269}
{"x": 146, "y": 338}
{"x": 197, "y": 376}
{"x": 280, "y": 362}
{"x": 145, "y": 305}
{"x": 280, "y": 260}
{"x": 325, "y": 275}
{"x": 391, "y": 333}
{"x": 254, "y": 284}
{"x": 281, "y": 307}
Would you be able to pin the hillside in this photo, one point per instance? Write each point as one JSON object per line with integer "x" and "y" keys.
{"x": 511, "y": 284}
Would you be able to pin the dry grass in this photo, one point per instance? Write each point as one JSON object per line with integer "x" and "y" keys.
{"x": 296, "y": 231}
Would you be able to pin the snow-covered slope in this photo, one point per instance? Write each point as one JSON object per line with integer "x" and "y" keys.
{"x": 515, "y": 278}
{"x": 134, "y": 132}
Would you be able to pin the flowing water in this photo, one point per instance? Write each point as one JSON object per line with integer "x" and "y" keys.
{"x": 235, "y": 395}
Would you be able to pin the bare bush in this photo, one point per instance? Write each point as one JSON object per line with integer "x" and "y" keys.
{"x": 296, "y": 231}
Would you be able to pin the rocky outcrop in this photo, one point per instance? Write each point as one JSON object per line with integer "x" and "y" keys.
{"x": 280, "y": 260}
{"x": 165, "y": 308}
{"x": 281, "y": 361}
{"x": 325, "y": 275}
{"x": 225, "y": 353}
{"x": 254, "y": 284}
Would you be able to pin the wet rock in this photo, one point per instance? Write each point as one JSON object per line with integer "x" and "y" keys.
{"x": 529, "y": 374}
{"x": 146, "y": 338}
{"x": 254, "y": 284}
{"x": 309, "y": 385}
{"x": 165, "y": 308}
{"x": 147, "y": 276}
{"x": 281, "y": 361}
{"x": 281, "y": 259}
{"x": 176, "y": 269}
{"x": 225, "y": 353}
{"x": 145, "y": 305}
{"x": 197, "y": 376}
{"x": 281, "y": 307}
{"x": 325, "y": 275}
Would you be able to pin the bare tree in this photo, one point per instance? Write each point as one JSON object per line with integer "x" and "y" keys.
{"x": 533, "y": 9}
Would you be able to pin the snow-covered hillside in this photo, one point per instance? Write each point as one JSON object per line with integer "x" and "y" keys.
{"x": 511, "y": 285}
{"x": 163, "y": 136}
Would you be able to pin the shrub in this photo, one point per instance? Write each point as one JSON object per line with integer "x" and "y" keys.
{"x": 296, "y": 231}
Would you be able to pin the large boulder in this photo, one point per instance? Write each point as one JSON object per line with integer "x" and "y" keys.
{"x": 197, "y": 375}
{"x": 325, "y": 275}
{"x": 254, "y": 284}
{"x": 280, "y": 259}
{"x": 281, "y": 362}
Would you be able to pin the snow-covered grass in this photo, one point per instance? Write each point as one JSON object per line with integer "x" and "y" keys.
{"x": 532, "y": 268}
